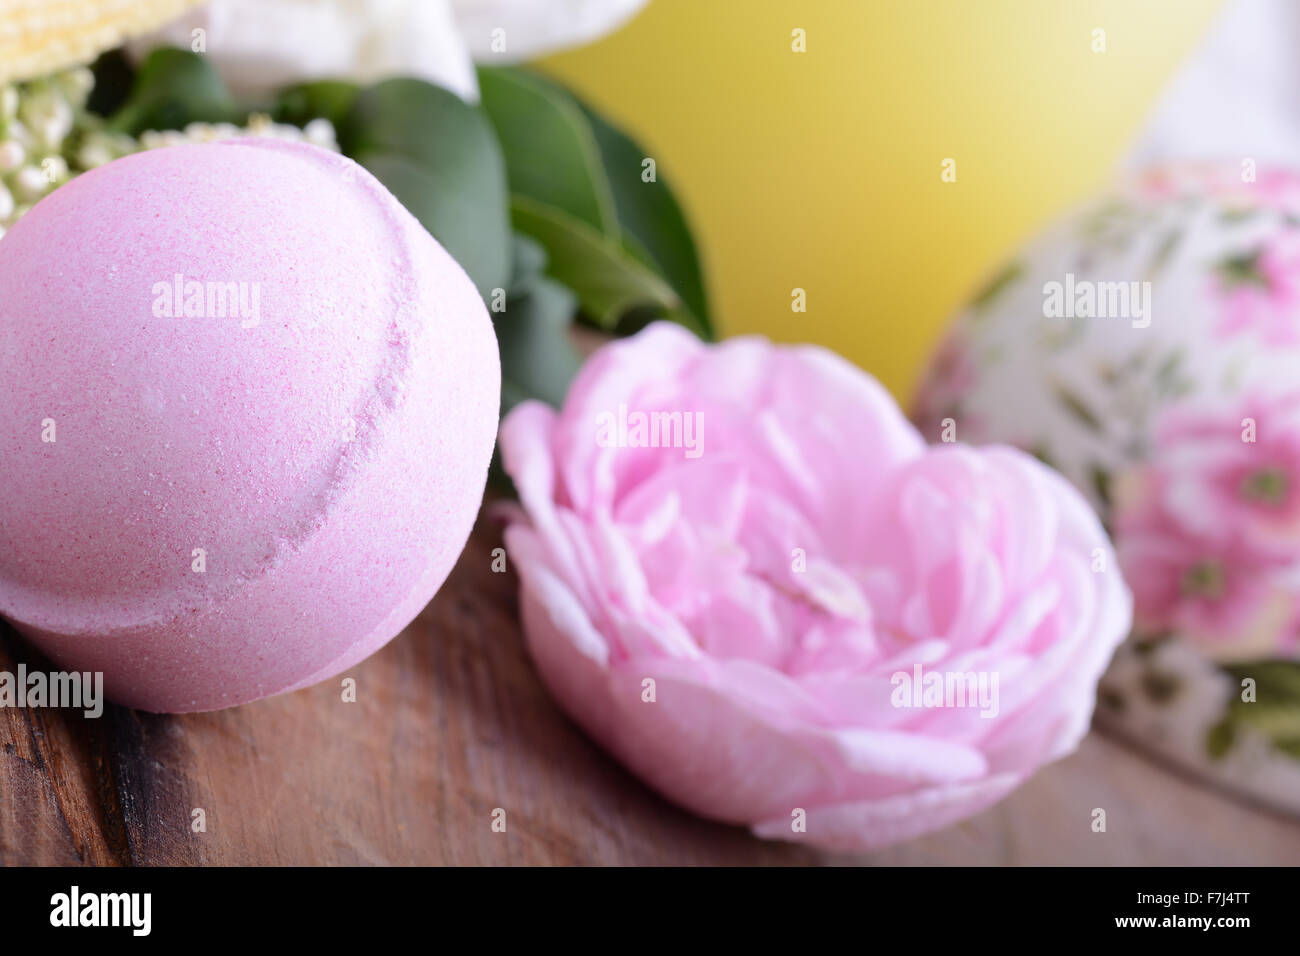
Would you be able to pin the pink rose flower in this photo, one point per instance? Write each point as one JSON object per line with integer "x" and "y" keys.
{"x": 743, "y": 595}
{"x": 1208, "y": 529}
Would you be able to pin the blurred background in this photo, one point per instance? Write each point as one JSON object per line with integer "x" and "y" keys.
{"x": 821, "y": 170}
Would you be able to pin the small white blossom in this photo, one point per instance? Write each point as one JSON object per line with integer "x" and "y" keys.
{"x": 12, "y": 155}
{"x": 17, "y": 132}
{"x": 94, "y": 154}
{"x": 320, "y": 132}
{"x": 76, "y": 85}
{"x": 48, "y": 116}
{"x": 46, "y": 138}
{"x": 54, "y": 169}
{"x": 30, "y": 183}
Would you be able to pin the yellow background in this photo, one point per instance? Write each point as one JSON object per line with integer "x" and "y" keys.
{"x": 821, "y": 170}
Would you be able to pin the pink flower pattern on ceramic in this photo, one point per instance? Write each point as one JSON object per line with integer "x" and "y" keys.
{"x": 1273, "y": 187}
{"x": 1259, "y": 292}
{"x": 1145, "y": 418}
{"x": 1208, "y": 528}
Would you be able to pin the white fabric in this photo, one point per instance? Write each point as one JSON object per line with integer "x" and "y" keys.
{"x": 1238, "y": 95}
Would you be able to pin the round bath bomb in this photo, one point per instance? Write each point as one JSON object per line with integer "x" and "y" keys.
{"x": 1147, "y": 347}
{"x": 248, "y": 409}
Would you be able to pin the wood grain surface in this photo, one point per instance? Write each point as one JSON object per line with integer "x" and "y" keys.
{"x": 451, "y": 723}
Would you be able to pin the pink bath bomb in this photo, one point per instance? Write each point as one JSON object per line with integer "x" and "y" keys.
{"x": 247, "y": 414}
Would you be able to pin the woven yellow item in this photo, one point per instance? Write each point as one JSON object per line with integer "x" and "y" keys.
{"x": 41, "y": 36}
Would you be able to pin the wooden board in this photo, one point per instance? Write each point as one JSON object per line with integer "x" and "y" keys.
{"x": 450, "y": 723}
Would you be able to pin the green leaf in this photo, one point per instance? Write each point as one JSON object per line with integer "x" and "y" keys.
{"x": 1111, "y": 699}
{"x": 440, "y": 157}
{"x": 608, "y": 280}
{"x": 1164, "y": 252}
{"x": 1275, "y": 712}
{"x": 1042, "y": 454}
{"x": 1242, "y": 269}
{"x": 529, "y": 262}
{"x": 1001, "y": 281}
{"x": 538, "y": 359}
{"x": 1075, "y": 406}
{"x": 1289, "y": 746}
{"x": 652, "y": 217}
{"x": 1100, "y": 485}
{"x": 320, "y": 99}
{"x": 550, "y": 151}
{"x": 1149, "y": 644}
{"x": 1242, "y": 214}
{"x": 451, "y": 216}
{"x": 114, "y": 78}
{"x": 1274, "y": 677}
{"x": 1160, "y": 687}
{"x": 172, "y": 89}
{"x": 1220, "y": 737}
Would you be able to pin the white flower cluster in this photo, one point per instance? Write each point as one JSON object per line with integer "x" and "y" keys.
{"x": 36, "y": 120}
{"x": 319, "y": 132}
{"x": 47, "y": 137}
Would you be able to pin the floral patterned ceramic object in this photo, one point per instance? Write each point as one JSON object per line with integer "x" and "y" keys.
{"x": 1148, "y": 347}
